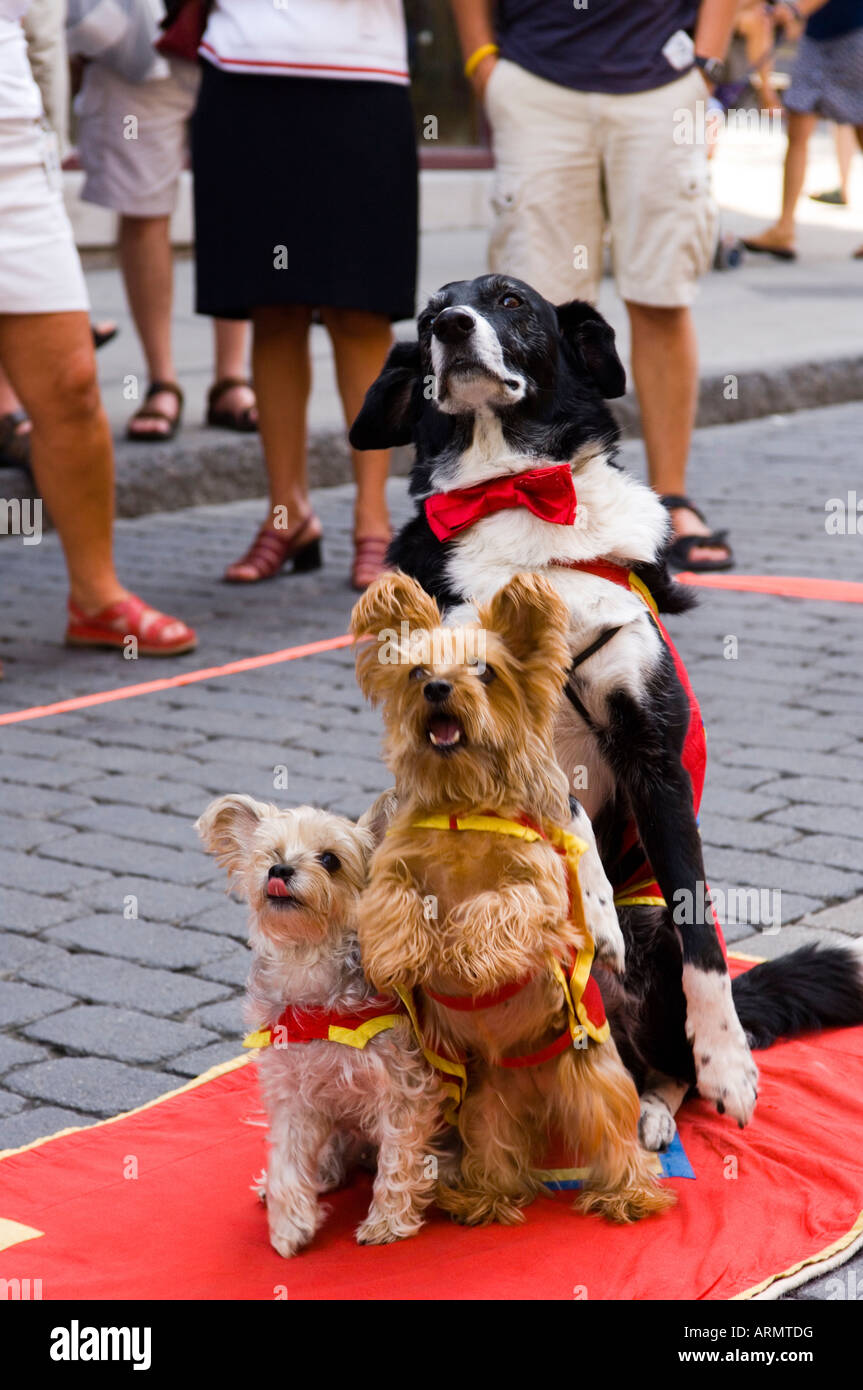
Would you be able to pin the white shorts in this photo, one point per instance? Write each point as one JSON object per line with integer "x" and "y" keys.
{"x": 40, "y": 270}
{"x": 133, "y": 138}
{"x": 569, "y": 164}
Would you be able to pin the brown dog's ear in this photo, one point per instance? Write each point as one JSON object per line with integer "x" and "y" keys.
{"x": 386, "y": 414}
{"x": 227, "y": 827}
{"x": 532, "y": 621}
{"x": 393, "y": 599}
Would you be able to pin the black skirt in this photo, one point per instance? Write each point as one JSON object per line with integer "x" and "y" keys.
{"x": 305, "y": 193}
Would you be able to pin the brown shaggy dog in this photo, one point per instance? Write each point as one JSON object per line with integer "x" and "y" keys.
{"x": 469, "y": 714}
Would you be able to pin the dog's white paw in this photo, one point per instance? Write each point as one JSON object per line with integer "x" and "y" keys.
{"x": 597, "y": 896}
{"x": 290, "y": 1232}
{"x": 725, "y": 1072}
{"x": 379, "y": 1228}
{"x": 656, "y": 1126}
{"x": 608, "y": 940}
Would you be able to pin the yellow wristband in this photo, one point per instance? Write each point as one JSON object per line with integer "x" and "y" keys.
{"x": 477, "y": 56}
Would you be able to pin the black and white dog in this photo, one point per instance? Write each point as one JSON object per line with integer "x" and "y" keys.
{"x": 503, "y": 396}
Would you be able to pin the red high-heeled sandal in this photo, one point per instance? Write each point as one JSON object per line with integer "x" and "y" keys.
{"x": 271, "y": 550}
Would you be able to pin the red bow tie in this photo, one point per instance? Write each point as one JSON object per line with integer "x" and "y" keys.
{"x": 547, "y": 492}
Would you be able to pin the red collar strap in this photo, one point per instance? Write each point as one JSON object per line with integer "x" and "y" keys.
{"x": 603, "y": 569}
{"x": 470, "y": 1003}
{"x": 298, "y": 1025}
{"x": 547, "y": 492}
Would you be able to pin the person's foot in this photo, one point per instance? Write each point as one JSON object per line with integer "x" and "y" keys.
{"x": 159, "y": 416}
{"x": 15, "y": 431}
{"x": 370, "y": 554}
{"x": 129, "y": 618}
{"x": 231, "y": 405}
{"x": 834, "y": 196}
{"x": 272, "y": 549}
{"x": 686, "y": 522}
{"x": 775, "y": 241}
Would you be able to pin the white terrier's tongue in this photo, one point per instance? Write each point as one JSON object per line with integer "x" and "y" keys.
{"x": 277, "y": 888}
{"x": 444, "y": 731}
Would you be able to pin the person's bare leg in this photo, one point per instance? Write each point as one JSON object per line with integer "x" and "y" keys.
{"x": 144, "y": 248}
{"x": 9, "y": 402}
{"x": 231, "y": 343}
{"x": 361, "y": 342}
{"x": 665, "y": 368}
{"x": 846, "y": 147}
{"x": 781, "y": 235}
{"x": 858, "y": 131}
{"x": 282, "y": 374}
{"x": 52, "y": 364}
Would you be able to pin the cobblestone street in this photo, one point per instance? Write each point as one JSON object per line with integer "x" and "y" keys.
{"x": 121, "y": 959}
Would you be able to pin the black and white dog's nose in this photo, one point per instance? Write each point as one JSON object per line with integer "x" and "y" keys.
{"x": 453, "y": 325}
{"x": 282, "y": 871}
{"x": 437, "y": 691}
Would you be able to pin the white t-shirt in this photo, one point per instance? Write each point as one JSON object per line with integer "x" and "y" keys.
{"x": 364, "y": 40}
{"x": 19, "y": 95}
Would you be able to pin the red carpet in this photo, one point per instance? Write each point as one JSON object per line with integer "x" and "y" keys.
{"x": 786, "y": 1190}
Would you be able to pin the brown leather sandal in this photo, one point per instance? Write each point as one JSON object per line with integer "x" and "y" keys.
{"x": 370, "y": 555}
{"x": 244, "y": 421}
{"x": 271, "y": 550}
{"x": 148, "y": 412}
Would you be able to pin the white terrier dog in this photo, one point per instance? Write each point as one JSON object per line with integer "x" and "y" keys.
{"x": 339, "y": 1066}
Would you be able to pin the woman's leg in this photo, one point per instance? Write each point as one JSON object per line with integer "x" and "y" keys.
{"x": 52, "y": 366}
{"x": 146, "y": 260}
{"x": 282, "y": 373}
{"x": 361, "y": 342}
{"x": 781, "y": 235}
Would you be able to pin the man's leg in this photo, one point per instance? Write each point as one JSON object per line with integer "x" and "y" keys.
{"x": 144, "y": 245}
{"x": 51, "y": 363}
{"x": 361, "y": 342}
{"x": 780, "y": 237}
{"x": 665, "y": 368}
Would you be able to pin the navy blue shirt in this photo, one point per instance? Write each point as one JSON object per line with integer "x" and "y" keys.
{"x": 837, "y": 17}
{"x": 610, "y": 46}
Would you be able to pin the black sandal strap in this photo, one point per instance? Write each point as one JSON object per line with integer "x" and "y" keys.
{"x": 672, "y": 500}
{"x": 170, "y": 386}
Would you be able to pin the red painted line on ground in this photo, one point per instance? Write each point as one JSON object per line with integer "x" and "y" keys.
{"x": 786, "y": 586}
{"x": 127, "y": 692}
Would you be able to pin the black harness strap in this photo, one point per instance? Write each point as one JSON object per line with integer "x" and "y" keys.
{"x": 605, "y": 636}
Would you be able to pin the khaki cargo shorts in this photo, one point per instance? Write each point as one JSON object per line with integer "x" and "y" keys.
{"x": 571, "y": 164}
{"x": 133, "y": 138}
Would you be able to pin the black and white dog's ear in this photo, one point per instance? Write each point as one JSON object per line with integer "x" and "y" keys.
{"x": 591, "y": 338}
{"x": 386, "y": 417}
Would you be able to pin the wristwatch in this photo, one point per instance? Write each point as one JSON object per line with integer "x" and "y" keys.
{"x": 713, "y": 69}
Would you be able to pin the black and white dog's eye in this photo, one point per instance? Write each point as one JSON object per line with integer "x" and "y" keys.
{"x": 511, "y": 301}
{"x": 487, "y": 675}
{"x": 331, "y": 862}
{"x": 417, "y": 673}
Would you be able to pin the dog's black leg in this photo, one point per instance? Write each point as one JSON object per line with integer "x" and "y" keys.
{"x": 642, "y": 741}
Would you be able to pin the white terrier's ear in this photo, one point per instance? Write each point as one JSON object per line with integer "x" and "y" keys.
{"x": 227, "y": 827}
{"x": 376, "y": 819}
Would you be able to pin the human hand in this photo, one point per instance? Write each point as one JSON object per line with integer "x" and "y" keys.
{"x": 788, "y": 18}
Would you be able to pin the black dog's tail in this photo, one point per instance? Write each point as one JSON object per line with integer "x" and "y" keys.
{"x": 814, "y": 987}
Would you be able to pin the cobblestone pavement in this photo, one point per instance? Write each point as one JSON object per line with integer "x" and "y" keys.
{"x": 121, "y": 959}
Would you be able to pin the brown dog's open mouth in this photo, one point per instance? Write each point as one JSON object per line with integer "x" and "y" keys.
{"x": 445, "y": 733}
